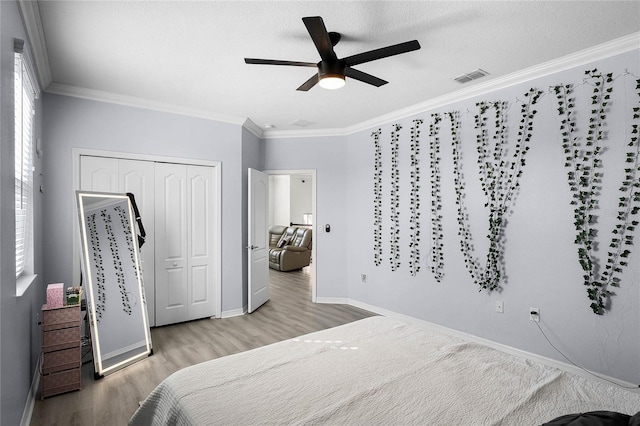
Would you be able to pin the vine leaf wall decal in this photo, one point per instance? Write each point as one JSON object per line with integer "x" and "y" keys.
{"x": 377, "y": 199}
{"x": 437, "y": 237}
{"x": 584, "y": 177}
{"x": 414, "y": 199}
{"x": 394, "y": 258}
{"x": 499, "y": 179}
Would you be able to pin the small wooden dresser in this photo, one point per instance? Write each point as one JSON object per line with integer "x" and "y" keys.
{"x": 61, "y": 349}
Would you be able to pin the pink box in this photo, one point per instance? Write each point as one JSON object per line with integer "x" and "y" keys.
{"x": 55, "y": 295}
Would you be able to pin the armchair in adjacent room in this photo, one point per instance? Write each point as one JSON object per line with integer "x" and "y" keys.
{"x": 289, "y": 248}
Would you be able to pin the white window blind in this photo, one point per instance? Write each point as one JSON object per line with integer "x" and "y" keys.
{"x": 24, "y": 95}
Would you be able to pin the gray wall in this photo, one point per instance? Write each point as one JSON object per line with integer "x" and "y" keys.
{"x": 77, "y": 123}
{"x": 541, "y": 258}
{"x": 20, "y": 338}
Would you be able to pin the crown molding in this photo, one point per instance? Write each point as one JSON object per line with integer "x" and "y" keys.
{"x": 115, "y": 98}
{"x": 306, "y": 133}
{"x": 253, "y": 128}
{"x": 33, "y": 25}
{"x": 581, "y": 57}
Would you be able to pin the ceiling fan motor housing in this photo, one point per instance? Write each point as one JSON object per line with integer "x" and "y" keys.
{"x": 331, "y": 69}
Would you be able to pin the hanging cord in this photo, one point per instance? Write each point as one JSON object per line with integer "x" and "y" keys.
{"x": 143, "y": 234}
{"x": 582, "y": 368}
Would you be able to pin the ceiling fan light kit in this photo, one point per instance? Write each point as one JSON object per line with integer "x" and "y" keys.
{"x": 331, "y": 74}
{"x": 332, "y": 82}
{"x": 331, "y": 70}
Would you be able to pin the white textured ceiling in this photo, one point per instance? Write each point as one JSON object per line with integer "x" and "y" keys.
{"x": 188, "y": 56}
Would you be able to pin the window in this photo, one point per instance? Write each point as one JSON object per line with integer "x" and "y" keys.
{"x": 24, "y": 109}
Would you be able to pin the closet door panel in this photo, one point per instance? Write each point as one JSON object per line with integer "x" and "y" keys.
{"x": 172, "y": 283}
{"x": 99, "y": 174}
{"x": 201, "y": 241}
{"x": 175, "y": 291}
{"x": 138, "y": 178}
{"x": 199, "y": 285}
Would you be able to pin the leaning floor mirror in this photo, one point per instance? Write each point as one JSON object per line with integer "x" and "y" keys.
{"x": 116, "y": 306}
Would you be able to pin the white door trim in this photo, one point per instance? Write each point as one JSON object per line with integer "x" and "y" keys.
{"x": 76, "y": 153}
{"x": 316, "y": 228}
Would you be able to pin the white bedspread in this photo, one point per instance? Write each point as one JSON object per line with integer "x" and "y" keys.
{"x": 375, "y": 371}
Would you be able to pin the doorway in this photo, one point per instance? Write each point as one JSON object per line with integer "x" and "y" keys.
{"x": 286, "y": 207}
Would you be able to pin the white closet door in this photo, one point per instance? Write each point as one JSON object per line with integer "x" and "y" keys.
{"x": 103, "y": 174}
{"x": 138, "y": 178}
{"x": 172, "y": 278}
{"x": 201, "y": 238}
{"x": 179, "y": 208}
{"x": 99, "y": 174}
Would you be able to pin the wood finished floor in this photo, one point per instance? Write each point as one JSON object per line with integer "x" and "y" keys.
{"x": 113, "y": 399}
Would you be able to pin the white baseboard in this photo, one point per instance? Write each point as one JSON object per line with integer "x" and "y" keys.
{"x": 495, "y": 345}
{"x": 27, "y": 413}
{"x": 334, "y": 300}
{"x": 233, "y": 313}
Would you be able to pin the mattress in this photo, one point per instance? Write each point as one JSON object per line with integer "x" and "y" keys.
{"x": 376, "y": 371}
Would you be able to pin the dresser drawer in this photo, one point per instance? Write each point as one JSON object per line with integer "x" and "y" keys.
{"x": 63, "y": 338}
{"x": 61, "y": 360}
{"x": 64, "y": 317}
{"x": 63, "y": 381}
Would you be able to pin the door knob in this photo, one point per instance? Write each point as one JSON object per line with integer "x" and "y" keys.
{"x": 175, "y": 263}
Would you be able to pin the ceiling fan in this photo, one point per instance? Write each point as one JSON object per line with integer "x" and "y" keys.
{"x": 331, "y": 70}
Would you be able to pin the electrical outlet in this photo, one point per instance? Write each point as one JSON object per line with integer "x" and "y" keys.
{"x": 534, "y": 314}
{"x": 363, "y": 278}
{"x": 500, "y": 307}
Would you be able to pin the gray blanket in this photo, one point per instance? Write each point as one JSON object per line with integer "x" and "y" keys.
{"x": 376, "y": 371}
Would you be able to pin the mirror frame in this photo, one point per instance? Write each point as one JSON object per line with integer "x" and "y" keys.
{"x": 87, "y": 266}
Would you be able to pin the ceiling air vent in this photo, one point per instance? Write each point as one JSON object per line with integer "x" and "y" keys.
{"x": 302, "y": 123}
{"x": 473, "y": 75}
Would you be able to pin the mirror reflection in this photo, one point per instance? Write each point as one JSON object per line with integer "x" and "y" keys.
{"x": 116, "y": 306}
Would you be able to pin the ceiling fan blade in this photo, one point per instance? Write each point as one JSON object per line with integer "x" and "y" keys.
{"x": 383, "y": 52}
{"x": 278, "y": 62}
{"x": 364, "y": 77}
{"x": 309, "y": 83}
{"x": 320, "y": 37}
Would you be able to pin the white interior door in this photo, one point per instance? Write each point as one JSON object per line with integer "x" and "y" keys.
{"x": 185, "y": 242}
{"x": 172, "y": 274}
{"x": 258, "y": 244}
{"x": 201, "y": 241}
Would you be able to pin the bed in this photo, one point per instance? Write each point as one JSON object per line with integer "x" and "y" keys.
{"x": 377, "y": 370}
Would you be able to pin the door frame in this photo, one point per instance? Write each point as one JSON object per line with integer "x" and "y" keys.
{"x": 76, "y": 153}
{"x": 316, "y": 228}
